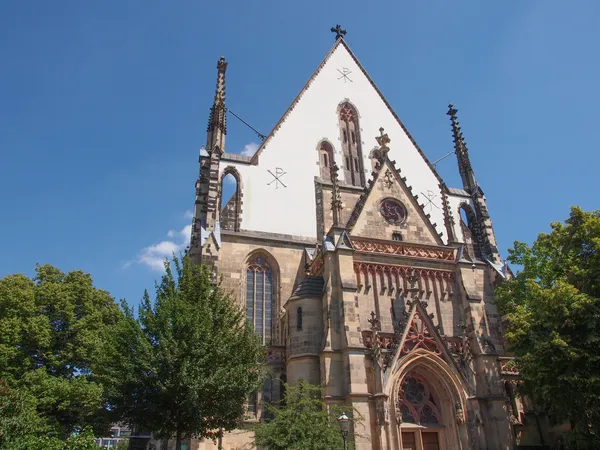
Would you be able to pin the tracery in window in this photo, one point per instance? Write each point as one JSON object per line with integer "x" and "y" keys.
{"x": 393, "y": 211}
{"x": 259, "y": 297}
{"x": 417, "y": 403}
{"x": 351, "y": 145}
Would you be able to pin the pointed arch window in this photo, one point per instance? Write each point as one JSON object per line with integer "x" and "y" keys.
{"x": 259, "y": 297}
{"x": 417, "y": 403}
{"x": 351, "y": 145}
{"x": 470, "y": 231}
{"x": 325, "y": 159}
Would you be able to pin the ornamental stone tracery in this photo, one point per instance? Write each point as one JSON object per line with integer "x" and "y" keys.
{"x": 416, "y": 403}
{"x": 393, "y": 211}
{"x": 403, "y": 249}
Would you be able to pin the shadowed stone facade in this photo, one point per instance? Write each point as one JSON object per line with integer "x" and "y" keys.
{"x": 371, "y": 284}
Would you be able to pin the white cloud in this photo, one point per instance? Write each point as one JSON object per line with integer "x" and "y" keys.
{"x": 154, "y": 256}
{"x": 189, "y": 214}
{"x": 249, "y": 149}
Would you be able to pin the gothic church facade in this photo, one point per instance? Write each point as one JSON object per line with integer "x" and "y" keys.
{"x": 378, "y": 284}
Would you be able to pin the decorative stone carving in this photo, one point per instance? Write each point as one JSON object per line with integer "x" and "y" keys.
{"x": 459, "y": 415}
{"x": 395, "y": 248}
{"x": 398, "y": 415}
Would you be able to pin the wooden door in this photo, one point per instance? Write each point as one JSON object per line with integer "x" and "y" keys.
{"x": 409, "y": 441}
{"x": 430, "y": 440}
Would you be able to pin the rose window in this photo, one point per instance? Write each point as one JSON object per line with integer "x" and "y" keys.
{"x": 393, "y": 211}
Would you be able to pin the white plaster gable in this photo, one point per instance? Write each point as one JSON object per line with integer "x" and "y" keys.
{"x": 455, "y": 201}
{"x": 290, "y": 151}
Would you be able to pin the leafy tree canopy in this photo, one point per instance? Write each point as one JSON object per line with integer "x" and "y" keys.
{"x": 553, "y": 312}
{"x": 22, "y": 428}
{"x": 301, "y": 422}
{"x": 186, "y": 365}
{"x": 52, "y": 329}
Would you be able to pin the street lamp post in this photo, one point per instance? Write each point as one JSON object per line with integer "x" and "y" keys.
{"x": 344, "y": 426}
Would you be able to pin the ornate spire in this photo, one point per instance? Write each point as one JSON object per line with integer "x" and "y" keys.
{"x": 339, "y": 33}
{"x": 217, "y": 121}
{"x": 462, "y": 153}
{"x": 336, "y": 198}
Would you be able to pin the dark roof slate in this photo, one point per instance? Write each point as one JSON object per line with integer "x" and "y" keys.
{"x": 310, "y": 287}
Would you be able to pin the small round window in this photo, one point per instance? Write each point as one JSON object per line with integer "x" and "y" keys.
{"x": 393, "y": 211}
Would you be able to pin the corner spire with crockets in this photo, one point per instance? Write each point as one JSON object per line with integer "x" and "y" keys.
{"x": 217, "y": 121}
{"x": 462, "y": 153}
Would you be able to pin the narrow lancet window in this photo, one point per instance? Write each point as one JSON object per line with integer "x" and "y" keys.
{"x": 351, "y": 146}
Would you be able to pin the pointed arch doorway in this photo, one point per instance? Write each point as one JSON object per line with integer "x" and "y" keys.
{"x": 428, "y": 410}
{"x": 422, "y": 426}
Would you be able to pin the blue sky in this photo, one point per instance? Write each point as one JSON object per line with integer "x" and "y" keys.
{"x": 104, "y": 105}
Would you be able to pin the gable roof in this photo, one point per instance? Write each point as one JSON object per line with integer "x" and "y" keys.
{"x": 341, "y": 42}
{"x": 360, "y": 204}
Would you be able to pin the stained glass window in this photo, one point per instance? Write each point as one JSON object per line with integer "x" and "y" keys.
{"x": 259, "y": 297}
{"x": 417, "y": 404}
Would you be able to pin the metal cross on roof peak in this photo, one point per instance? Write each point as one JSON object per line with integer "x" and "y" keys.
{"x": 339, "y": 33}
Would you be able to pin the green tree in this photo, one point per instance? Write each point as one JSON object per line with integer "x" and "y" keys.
{"x": 52, "y": 328}
{"x": 553, "y": 312}
{"x": 185, "y": 367}
{"x": 301, "y": 422}
{"x": 22, "y": 428}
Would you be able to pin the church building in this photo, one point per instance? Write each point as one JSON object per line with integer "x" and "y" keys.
{"x": 378, "y": 283}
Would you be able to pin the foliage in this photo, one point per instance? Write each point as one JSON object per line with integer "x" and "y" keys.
{"x": 21, "y": 428}
{"x": 52, "y": 328}
{"x": 301, "y": 422}
{"x": 123, "y": 444}
{"x": 186, "y": 366}
{"x": 553, "y": 312}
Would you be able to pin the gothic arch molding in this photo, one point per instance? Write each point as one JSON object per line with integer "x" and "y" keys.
{"x": 325, "y": 154}
{"x": 470, "y": 230}
{"x": 445, "y": 386}
{"x": 231, "y": 213}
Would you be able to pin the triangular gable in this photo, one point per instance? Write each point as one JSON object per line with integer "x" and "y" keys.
{"x": 282, "y": 170}
{"x": 341, "y": 42}
{"x": 344, "y": 242}
{"x": 367, "y": 221}
{"x": 420, "y": 334}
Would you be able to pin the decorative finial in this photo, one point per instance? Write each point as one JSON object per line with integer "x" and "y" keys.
{"x": 383, "y": 140}
{"x": 339, "y": 33}
{"x": 374, "y": 321}
{"x": 222, "y": 64}
{"x": 336, "y": 198}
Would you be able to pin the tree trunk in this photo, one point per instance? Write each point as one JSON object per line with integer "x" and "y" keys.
{"x": 178, "y": 440}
